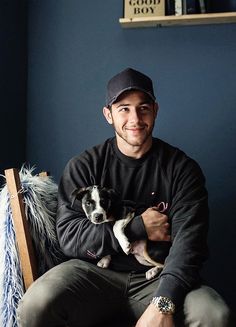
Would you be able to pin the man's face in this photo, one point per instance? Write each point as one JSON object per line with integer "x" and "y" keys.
{"x": 133, "y": 117}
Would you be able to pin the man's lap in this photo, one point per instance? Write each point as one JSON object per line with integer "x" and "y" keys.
{"x": 81, "y": 294}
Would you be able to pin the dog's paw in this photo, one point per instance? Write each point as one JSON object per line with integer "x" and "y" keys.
{"x": 104, "y": 262}
{"x": 151, "y": 273}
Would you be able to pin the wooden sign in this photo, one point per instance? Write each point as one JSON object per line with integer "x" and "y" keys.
{"x": 143, "y": 8}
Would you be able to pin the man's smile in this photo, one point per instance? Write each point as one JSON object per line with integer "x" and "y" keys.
{"x": 135, "y": 129}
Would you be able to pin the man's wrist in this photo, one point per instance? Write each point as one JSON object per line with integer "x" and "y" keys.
{"x": 163, "y": 304}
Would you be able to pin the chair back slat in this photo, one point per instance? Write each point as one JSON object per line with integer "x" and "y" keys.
{"x": 23, "y": 237}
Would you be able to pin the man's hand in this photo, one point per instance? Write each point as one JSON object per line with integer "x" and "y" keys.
{"x": 153, "y": 318}
{"x": 156, "y": 225}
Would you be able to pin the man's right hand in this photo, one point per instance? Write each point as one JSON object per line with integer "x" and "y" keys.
{"x": 156, "y": 225}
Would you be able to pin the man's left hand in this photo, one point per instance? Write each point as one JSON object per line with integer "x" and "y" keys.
{"x": 153, "y": 318}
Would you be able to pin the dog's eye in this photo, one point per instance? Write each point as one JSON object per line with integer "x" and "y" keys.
{"x": 88, "y": 203}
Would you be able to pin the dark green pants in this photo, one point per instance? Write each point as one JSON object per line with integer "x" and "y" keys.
{"x": 79, "y": 294}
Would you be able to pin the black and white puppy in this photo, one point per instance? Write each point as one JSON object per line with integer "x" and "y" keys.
{"x": 102, "y": 205}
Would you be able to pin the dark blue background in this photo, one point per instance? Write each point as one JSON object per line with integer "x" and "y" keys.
{"x": 73, "y": 48}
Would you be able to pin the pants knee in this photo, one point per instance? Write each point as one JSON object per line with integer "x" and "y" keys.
{"x": 204, "y": 307}
{"x": 42, "y": 300}
{"x": 29, "y": 310}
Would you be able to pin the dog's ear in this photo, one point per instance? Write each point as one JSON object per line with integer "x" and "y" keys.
{"x": 115, "y": 204}
{"x": 78, "y": 194}
{"x": 113, "y": 195}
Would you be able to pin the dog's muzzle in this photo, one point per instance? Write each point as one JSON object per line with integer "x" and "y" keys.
{"x": 98, "y": 218}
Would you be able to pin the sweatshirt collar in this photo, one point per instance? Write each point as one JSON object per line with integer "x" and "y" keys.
{"x": 131, "y": 162}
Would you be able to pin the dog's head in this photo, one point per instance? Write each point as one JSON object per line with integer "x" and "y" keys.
{"x": 97, "y": 203}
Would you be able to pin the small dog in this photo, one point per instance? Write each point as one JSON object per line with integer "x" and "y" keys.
{"x": 102, "y": 205}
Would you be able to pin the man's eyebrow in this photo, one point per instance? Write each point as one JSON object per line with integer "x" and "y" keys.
{"x": 145, "y": 102}
{"x": 140, "y": 104}
{"x": 123, "y": 105}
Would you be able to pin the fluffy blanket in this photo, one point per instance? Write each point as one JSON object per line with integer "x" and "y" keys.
{"x": 40, "y": 198}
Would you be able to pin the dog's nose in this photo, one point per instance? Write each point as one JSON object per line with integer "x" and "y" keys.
{"x": 98, "y": 217}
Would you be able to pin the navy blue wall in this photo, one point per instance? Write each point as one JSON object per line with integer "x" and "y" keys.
{"x": 13, "y": 75}
{"x": 76, "y": 46}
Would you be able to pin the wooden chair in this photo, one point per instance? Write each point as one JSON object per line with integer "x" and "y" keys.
{"x": 23, "y": 237}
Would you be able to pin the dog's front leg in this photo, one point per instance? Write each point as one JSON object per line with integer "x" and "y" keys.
{"x": 118, "y": 230}
{"x": 151, "y": 273}
{"x": 104, "y": 262}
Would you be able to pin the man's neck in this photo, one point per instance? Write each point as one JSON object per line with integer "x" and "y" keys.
{"x": 133, "y": 151}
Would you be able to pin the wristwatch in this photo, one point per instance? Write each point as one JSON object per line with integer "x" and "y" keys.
{"x": 164, "y": 304}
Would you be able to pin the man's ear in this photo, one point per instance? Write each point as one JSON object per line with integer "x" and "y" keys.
{"x": 107, "y": 114}
{"x": 156, "y": 108}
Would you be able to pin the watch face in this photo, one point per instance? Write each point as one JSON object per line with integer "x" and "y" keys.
{"x": 165, "y": 305}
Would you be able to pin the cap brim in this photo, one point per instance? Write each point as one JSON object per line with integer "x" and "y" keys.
{"x": 114, "y": 99}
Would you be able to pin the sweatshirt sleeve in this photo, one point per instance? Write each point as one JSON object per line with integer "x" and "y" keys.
{"x": 78, "y": 237}
{"x": 189, "y": 226}
{"x": 135, "y": 230}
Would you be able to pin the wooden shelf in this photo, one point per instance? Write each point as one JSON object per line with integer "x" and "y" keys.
{"x": 196, "y": 19}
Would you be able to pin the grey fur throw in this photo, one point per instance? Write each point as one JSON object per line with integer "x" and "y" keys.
{"x": 40, "y": 199}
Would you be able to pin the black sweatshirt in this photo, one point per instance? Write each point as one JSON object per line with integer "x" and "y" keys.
{"x": 164, "y": 174}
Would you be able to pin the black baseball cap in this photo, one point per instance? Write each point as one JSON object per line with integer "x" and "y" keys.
{"x": 128, "y": 79}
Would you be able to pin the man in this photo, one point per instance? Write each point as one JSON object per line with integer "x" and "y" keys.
{"x": 148, "y": 172}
